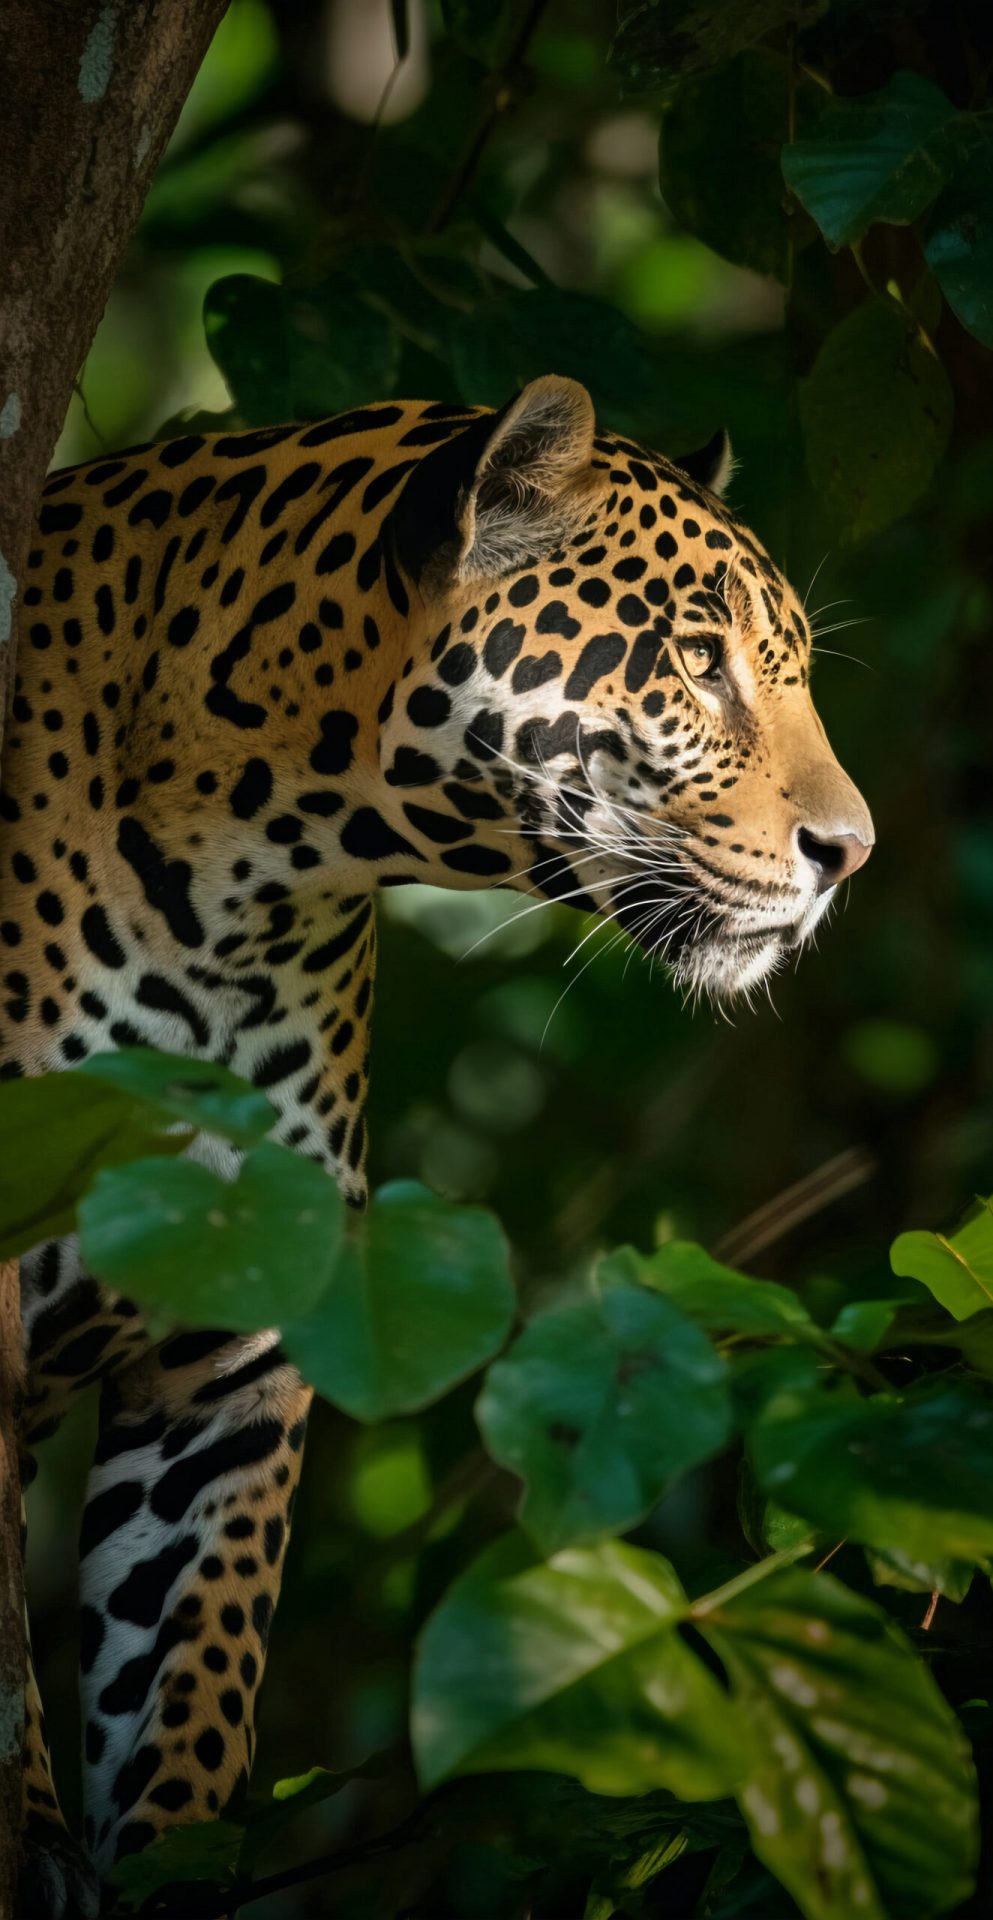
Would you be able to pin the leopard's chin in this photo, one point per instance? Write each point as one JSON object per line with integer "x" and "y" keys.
{"x": 728, "y": 968}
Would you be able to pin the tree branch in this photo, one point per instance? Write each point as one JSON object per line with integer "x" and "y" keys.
{"x": 91, "y": 92}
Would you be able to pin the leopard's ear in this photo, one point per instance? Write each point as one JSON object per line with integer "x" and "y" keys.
{"x": 501, "y": 492}
{"x": 710, "y": 466}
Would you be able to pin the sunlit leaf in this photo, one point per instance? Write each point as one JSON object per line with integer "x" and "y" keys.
{"x": 879, "y": 156}
{"x": 575, "y": 1666}
{"x": 956, "y": 1267}
{"x": 860, "y": 1792}
{"x": 912, "y": 1474}
{"x": 713, "y": 1295}
{"x": 598, "y": 1407}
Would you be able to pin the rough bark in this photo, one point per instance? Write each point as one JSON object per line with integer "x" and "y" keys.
{"x": 90, "y": 92}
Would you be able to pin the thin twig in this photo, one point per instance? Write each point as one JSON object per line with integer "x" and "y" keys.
{"x": 500, "y": 97}
{"x": 829, "y": 1182}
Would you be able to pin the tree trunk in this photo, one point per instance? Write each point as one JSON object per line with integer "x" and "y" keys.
{"x": 90, "y": 92}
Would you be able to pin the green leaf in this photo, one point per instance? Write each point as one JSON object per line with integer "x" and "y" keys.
{"x": 659, "y": 42}
{"x": 719, "y": 161}
{"x": 880, "y": 156}
{"x": 205, "y": 1850}
{"x": 246, "y": 333}
{"x": 953, "y": 1578}
{"x": 267, "y": 1818}
{"x": 574, "y": 1666}
{"x": 505, "y": 342}
{"x": 958, "y": 1268}
{"x": 298, "y": 352}
{"x": 876, "y": 413}
{"x": 242, "y": 1253}
{"x": 194, "y": 1091}
{"x": 959, "y": 240}
{"x": 860, "y": 1792}
{"x": 598, "y": 1407}
{"x": 864, "y": 1324}
{"x": 56, "y": 1133}
{"x": 912, "y": 1475}
{"x": 715, "y": 1296}
{"x": 421, "y": 1297}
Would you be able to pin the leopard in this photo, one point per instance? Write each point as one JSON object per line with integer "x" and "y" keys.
{"x": 264, "y": 675}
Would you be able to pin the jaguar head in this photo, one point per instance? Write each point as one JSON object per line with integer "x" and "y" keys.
{"x": 612, "y": 694}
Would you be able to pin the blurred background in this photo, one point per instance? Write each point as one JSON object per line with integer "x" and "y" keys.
{"x": 332, "y": 223}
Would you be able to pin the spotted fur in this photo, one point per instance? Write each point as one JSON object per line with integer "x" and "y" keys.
{"x": 262, "y": 676}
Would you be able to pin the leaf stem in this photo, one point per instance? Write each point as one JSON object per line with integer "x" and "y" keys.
{"x": 773, "y": 1563}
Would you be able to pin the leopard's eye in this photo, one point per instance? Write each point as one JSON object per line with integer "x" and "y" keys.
{"x": 701, "y": 656}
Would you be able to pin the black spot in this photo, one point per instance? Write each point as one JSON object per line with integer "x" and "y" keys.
{"x": 171, "y": 1794}
{"x": 412, "y": 769}
{"x": 556, "y": 618}
{"x": 166, "y": 883}
{"x": 632, "y": 611}
{"x": 439, "y": 827}
{"x": 273, "y": 1536}
{"x": 135, "y": 1775}
{"x": 484, "y": 734}
{"x": 641, "y": 660}
{"x": 209, "y": 1749}
{"x": 91, "y": 1632}
{"x": 599, "y": 656}
{"x": 102, "y": 942}
{"x": 334, "y": 752}
{"x": 183, "y": 626}
{"x": 325, "y": 956}
{"x": 281, "y": 1062}
{"x": 232, "y": 1706}
{"x": 179, "y": 1487}
{"x": 502, "y": 646}
{"x": 476, "y": 859}
{"x": 367, "y": 836}
{"x": 595, "y": 593}
{"x": 160, "y": 995}
{"x": 533, "y": 671}
{"x": 457, "y": 665}
{"x": 428, "y": 707}
{"x": 142, "y": 1594}
{"x": 107, "y": 1512}
{"x": 252, "y": 790}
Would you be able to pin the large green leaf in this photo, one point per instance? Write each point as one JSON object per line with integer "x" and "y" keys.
{"x": 860, "y": 1792}
{"x": 715, "y": 1296}
{"x": 197, "y": 1092}
{"x": 242, "y": 1253}
{"x": 719, "y": 160}
{"x": 574, "y": 1666}
{"x": 876, "y": 412}
{"x": 298, "y": 352}
{"x": 58, "y": 1130}
{"x": 957, "y": 1267}
{"x": 912, "y": 1474}
{"x": 421, "y": 1297}
{"x": 205, "y": 1850}
{"x": 599, "y": 1406}
{"x": 659, "y": 42}
{"x": 959, "y": 240}
{"x": 505, "y": 342}
{"x": 880, "y": 156}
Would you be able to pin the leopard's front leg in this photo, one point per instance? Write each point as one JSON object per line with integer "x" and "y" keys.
{"x": 182, "y": 1550}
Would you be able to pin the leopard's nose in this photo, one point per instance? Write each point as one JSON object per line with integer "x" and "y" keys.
{"x": 833, "y": 856}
